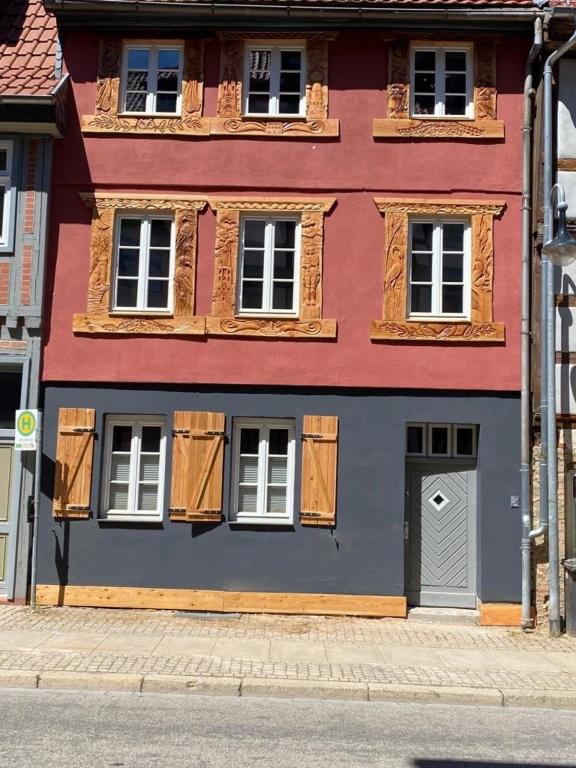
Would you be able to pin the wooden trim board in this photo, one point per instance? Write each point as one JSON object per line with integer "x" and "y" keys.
{"x": 222, "y": 601}
{"x": 500, "y": 614}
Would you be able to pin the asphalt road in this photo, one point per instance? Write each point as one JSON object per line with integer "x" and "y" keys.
{"x": 45, "y": 729}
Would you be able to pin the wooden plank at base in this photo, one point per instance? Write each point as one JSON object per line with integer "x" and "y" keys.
{"x": 500, "y": 614}
{"x": 226, "y": 602}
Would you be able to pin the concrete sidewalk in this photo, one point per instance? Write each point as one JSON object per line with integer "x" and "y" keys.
{"x": 320, "y": 657}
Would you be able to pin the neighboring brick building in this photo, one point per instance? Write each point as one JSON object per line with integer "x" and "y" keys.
{"x": 32, "y": 94}
{"x": 282, "y": 371}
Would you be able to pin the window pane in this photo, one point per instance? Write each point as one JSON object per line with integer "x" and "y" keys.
{"x": 159, "y": 264}
{"x": 424, "y": 105}
{"x": 249, "y": 441}
{"x": 135, "y": 102}
{"x": 157, "y": 294}
{"x": 289, "y": 105}
{"x": 138, "y": 59}
{"x": 415, "y": 440}
{"x": 453, "y": 237}
{"x": 120, "y": 467}
{"x": 284, "y": 265}
{"x": 421, "y": 267}
{"x": 121, "y": 438}
{"x": 251, "y": 295}
{"x": 254, "y": 232}
{"x": 290, "y": 81}
{"x": 283, "y": 296}
{"x": 118, "y": 497}
{"x": 150, "y": 468}
{"x": 137, "y": 81}
{"x": 278, "y": 442}
{"x": 168, "y": 59}
{"x": 278, "y": 471}
{"x": 130, "y": 232}
{"x": 259, "y": 86}
{"x": 3, "y": 160}
{"x": 253, "y": 264}
{"x": 166, "y": 102}
{"x": 465, "y": 441}
{"x": 452, "y": 299}
{"x": 128, "y": 261}
{"x": 127, "y": 293}
{"x": 160, "y": 233}
{"x": 290, "y": 60}
{"x": 248, "y": 470}
{"x": 276, "y": 501}
{"x": 2, "y": 193}
{"x": 452, "y": 268}
{"x": 151, "y": 437}
{"x": 439, "y": 440}
{"x": 455, "y": 105}
{"x": 456, "y": 61}
{"x": 247, "y": 500}
{"x": 424, "y": 82}
{"x": 258, "y": 104}
{"x": 259, "y": 67}
{"x": 167, "y": 81}
{"x": 284, "y": 234}
{"x": 421, "y": 298}
{"x": 425, "y": 60}
{"x": 148, "y": 498}
{"x": 455, "y": 83}
{"x": 422, "y": 236}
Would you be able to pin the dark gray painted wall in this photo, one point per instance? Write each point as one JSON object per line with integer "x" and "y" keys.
{"x": 363, "y": 555}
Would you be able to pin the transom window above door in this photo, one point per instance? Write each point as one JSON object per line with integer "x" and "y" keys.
{"x": 275, "y": 80}
{"x": 457, "y": 441}
{"x": 152, "y": 79}
{"x": 441, "y": 82}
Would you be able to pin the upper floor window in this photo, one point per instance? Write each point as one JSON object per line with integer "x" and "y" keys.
{"x": 439, "y": 268}
{"x": 6, "y": 194}
{"x": 144, "y": 258}
{"x": 269, "y": 265}
{"x": 275, "y": 80}
{"x": 152, "y": 79}
{"x": 441, "y": 82}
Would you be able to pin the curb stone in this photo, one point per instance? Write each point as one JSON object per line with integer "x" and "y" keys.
{"x": 435, "y": 694}
{"x": 551, "y": 698}
{"x": 221, "y": 686}
{"x": 90, "y": 681}
{"x": 18, "y": 679}
{"x": 303, "y": 689}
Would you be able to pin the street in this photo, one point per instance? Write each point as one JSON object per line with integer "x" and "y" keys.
{"x": 116, "y": 730}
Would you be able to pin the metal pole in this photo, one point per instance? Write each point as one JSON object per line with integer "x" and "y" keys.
{"x": 37, "y": 472}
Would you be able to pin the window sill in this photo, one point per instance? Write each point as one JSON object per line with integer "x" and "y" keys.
{"x": 146, "y": 124}
{"x": 131, "y": 519}
{"x": 284, "y": 522}
{"x": 275, "y": 127}
{"x": 437, "y": 128}
{"x": 137, "y": 325}
{"x": 271, "y": 328}
{"x": 449, "y": 332}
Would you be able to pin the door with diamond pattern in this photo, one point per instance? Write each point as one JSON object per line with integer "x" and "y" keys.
{"x": 440, "y": 534}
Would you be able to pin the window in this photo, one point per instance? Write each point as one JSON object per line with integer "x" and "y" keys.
{"x": 441, "y": 440}
{"x": 264, "y": 471}
{"x": 439, "y": 268}
{"x": 134, "y": 469}
{"x": 269, "y": 265}
{"x": 144, "y": 263}
{"x": 152, "y": 80}
{"x": 441, "y": 82}
{"x": 275, "y": 80}
{"x": 6, "y": 194}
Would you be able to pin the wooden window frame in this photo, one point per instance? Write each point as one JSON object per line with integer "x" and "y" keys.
{"x": 152, "y": 92}
{"x": 231, "y": 120}
{"x": 136, "y": 423}
{"x": 400, "y": 123}
{"x": 100, "y": 318}
{"x": 396, "y": 325}
{"x": 7, "y": 184}
{"x": 225, "y": 320}
{"x": 264, "y": 425}
{"x": 439, "y": 69}
{"x": 108, "y": 117}
{"x": 276, "y": 50}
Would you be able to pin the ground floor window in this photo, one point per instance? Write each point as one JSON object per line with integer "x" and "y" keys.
{"x": 134, "y": 468}
{"x": 263, "y": 471}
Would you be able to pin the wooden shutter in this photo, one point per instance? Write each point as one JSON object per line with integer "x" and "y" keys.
{"x": 197, "y": 466}
{"x": 319, "y": 470}
{"x": 74, "y": 453}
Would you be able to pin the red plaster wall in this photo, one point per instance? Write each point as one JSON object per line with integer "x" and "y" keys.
{"x": 354, "y": 170}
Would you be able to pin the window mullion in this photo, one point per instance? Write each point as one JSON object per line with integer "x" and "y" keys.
{"x": 268, "y": 266}
{"x": 440, "y": 106}
{"x": 437, "y": 269}
{"x": 262, "y": 465}
{"x": 152, "y": 80}
{"x": 275, "y": 81}
{"x": 134, "y": 469}
{"x": 143, "y": 264}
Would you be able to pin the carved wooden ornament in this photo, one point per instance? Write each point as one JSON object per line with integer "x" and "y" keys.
{"x": 108, "y": 119}
{"x": 309, "y": 324}
{"x": 99, "y": 317}
{"x": 395, "y": 325}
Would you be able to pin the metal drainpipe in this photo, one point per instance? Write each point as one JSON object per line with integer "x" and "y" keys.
{"x": 550, "y": 362}
{"x": 525, "y": 454}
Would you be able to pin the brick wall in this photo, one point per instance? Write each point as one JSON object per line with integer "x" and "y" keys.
{"x": 29, "y": 221}
{"x": 4, "y": 283}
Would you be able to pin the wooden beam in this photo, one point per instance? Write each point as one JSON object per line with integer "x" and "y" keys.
{"x": 222, "y": 601}
{"x": 500, "y": 614}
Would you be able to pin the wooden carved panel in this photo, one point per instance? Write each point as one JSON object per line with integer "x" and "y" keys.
{"x": 484, "y": 80}
{"x": 383, "y": 330}
{"x": 317, "y": 80}
{"x": 226, "y": 258}
{"x": 396, "y": 249}
{"x": 193, "y": 79}
{"x": 231, "y": 75}
{"x": 312, "y": 227}
{"x": 482, "y": 268}
{"x": 99, "y": 280}
{"x": 185, "y": 267}
{"x": 398, "y": 79}
{"x": 268, "y": 327}
{"x": 108, "y": 83}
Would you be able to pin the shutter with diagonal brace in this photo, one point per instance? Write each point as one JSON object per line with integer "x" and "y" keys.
{"x": 319, "y": 470}
{"x": 197, "y": 466}
{"x": 74, "y": 454}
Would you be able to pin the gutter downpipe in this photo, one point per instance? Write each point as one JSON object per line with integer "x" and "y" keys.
{"x": 525, "y": 453}
{"x": 549, "y": 367}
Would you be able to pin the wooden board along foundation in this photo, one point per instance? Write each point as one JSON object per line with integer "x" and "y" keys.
{"x": 220, "y": 601}
{"x": 500, "y": 614}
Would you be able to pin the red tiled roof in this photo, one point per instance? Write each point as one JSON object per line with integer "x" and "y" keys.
{"x": 27, "y": 48}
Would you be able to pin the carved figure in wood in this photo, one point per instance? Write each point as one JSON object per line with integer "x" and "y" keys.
{"x": 227, "y": 231}
{"x": 108, "y": 75}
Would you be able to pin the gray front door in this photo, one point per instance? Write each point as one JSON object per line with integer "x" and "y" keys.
{"x": 440, "y": 536}
{"x": 6, "y": 464}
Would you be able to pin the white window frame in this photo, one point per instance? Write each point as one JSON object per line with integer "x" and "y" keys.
{"x": 440, "y": 73}
{"x": 152, "y": 82}
{"x": 7, "y": 184}
{"x": 421, "y": 425}
{"x": 264, "y": 425}
{"x": 268, "y": 281}
{"x": 438, "y": 225}
{"x": 132, "y": 514}
{"x": 469, "y": 428}
{"x": 275, "y": 47}
{"x": 143, "y": 263}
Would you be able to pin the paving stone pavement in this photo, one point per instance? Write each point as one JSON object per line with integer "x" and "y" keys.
{"x": 68, "y": 644}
